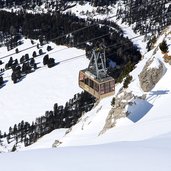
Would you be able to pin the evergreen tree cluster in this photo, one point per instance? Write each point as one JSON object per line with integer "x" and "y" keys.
{"x": 1, "y": 81}
{"x": 19, "y": 70}
{"x": 1, "y": 75}
{"x": 146, "y": 16}
{"x": 163, "y": 46}
{"x": 50, "y": 62}
{"x": 52, "y": 26}
{"x": 25, "y": 65}
{"x": 60, "y": 117}
{"x": 150, "y": 16}
{"x": 57, "y": 5}
{"x": 127, "y": 81}
{"x": 12, "y": 41}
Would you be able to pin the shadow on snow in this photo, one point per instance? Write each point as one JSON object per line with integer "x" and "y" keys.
{"x": 138, "y": 109}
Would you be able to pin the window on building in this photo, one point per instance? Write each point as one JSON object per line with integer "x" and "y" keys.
{"x": 112, "y": 85}
{"x": 106, "y": 85}
{"x": 102, "y": 90}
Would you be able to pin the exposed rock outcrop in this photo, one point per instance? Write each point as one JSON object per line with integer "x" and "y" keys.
{"x": 167, "y": 58}
{"x": 152, "y": 72}
{"x": 119, "y": 110}
{"x": 56, "y": 143}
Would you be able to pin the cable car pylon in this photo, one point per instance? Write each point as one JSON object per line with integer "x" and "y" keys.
{"x": 95, "y": 79}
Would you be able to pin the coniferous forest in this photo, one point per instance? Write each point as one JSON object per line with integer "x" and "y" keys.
{"x": 59, "y": 117}
{"x": 52, "y": 27}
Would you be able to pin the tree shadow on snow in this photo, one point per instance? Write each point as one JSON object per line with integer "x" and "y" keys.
{"x": 4, "y": 84}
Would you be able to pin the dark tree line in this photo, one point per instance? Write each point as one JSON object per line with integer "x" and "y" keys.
{"x": 147, "y": 16}
{"x": 60, "y": 117}
{"x": 57, "y": 5}
{"x": 1, "y": 75}
{"x": 163, "y": 46}
{"x": 20, "y": 69}
{"x": 1, "y": 81}
{"x": 46, "y": 27}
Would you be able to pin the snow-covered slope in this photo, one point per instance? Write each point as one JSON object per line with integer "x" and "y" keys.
{"x": 148, "y": 119}
{"x": 38, "y": 91}
{"x": 144, "y": 155}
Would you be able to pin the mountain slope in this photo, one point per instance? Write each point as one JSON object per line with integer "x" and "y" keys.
{"x": 149, "y": 118}
{"x": 45, "y": 86}
{"x": 144, "y": 155}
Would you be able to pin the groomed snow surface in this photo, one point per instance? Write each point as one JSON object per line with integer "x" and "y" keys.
{"x": 145, "y": 155}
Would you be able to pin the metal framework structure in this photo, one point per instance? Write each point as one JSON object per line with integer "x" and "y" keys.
{"x": 97, "y": 64}
{"x": 95, "y": 79}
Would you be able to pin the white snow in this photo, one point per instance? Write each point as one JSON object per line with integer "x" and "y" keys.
{"x": 47, "y": 140}
{"x": 155, "y": 63}
{"x": 149, "y": 118}
{"x": 138, "y": 109}
{"x": 39, "y": 91}
{"x": 144, "y": 155}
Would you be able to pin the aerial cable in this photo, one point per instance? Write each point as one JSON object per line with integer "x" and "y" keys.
{"x": 81, "y": 42}
{"x": 83, "y": 55}
{"x": 57, "y": 50}
{"x": 58, "y": 37}
{"x": 91, "y": 25}
{"x": 83, "y": 28}
{"x": 19, "y": 52}
{"x": 114, "y": 45}
{"x": 117, "y": 46}
{"x": 58, "y": 62}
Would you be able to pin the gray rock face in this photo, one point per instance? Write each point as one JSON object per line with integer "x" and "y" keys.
{"x": 118, "y": 110}
{"x": 56, "y": 143}
{"x": 152, "y": 72}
